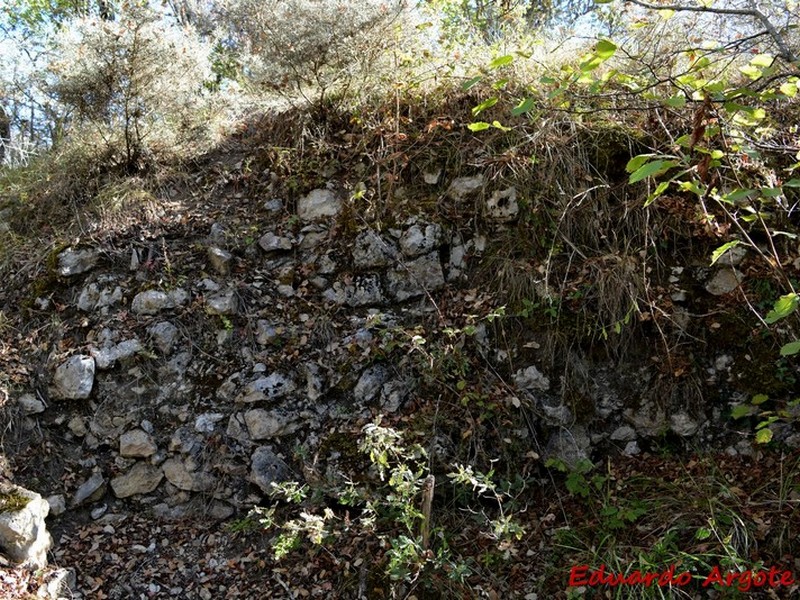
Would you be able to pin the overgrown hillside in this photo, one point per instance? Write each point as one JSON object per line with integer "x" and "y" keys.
{"x": 494, "y": 337}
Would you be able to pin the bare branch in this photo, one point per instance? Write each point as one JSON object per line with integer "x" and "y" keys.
{"x": 753, "y": 13}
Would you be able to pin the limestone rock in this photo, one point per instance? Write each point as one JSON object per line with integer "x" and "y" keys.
{"x": 206, "y": 422}
{"x": 502, "y": 205}
{"x": 266, "y": 333}
{"x": 370, "y": 383}
{"x": 23, "y": 534}
{"x": 416, "y": 277}
{"x": 30, "y": 404}
{"x": 58, "y": 504}
{"x": 318, "y": 204}
{"x": 137, "y": 444}
{"x": 267, "y": 468}
{"x": 73, "y": 379}
{"x": 372, "y": 250}
{"x": 90, "y": 490}
{"x": 74, "y": 262}
{"x": 569, "y": 445}
{"x": 264, "y": 425}
{"x": 220, "y": 260}
{"x": 93, "y": 297}
{"x": 152, "y": 302}
{"x": 366, "y": 290}
{"x": 394, "y": 394}
{"x": 272, "y": 387}
{"x": 105, "y": 358}
{"x": 462, "y": 187}
{"x": 623, "y": 433}
{"x": 724, "y": 282}
{"x": 420, "y": 239}
{"x": 271, "y": 242}
{"x": 531, "y": 379}
{"x": 164, "y": 335}
{"x": 223, "y": 304}
{"x": 178, "y": 474}
{"x": 683, "y": 425}
{"x": 141, "y": 479}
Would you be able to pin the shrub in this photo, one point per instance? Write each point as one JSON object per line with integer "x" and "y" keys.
{"x": 135, "y": 86}
{"x": 312, "y": 48}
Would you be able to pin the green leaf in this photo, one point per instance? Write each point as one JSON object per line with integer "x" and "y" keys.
{"x": 501, "y": 61}
{"x": 523, "y": 107}
{"x": 651, "y": 169}
{"x": 488, "y": 103}
{"x": 605, "y": 49}
{"x": 637, "y": 161}
{"x": 759, "y": 399}
{"x": 478, "y": 126}
{"x": 790, "y": 349}
{"x": 470, "y": 82}
{"x": 784, "y": 306}
{"x": 676, "y": 101}
{"x": 764, "y": 436}
{"x": 762, "y": 60}
{"x": 792, "y": 183}
{"x": 771, "y": 192}
{"x": 717, "y": 254}
{"x": 789, "y": 89}
{"x": 736, "y": 195}
{"x": 500, "y": 126}
{"x": 741, "y": 410}
{"x": 660, "y": 189}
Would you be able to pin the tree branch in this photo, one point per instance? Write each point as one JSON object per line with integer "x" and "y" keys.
{"x": 753, "y": 13}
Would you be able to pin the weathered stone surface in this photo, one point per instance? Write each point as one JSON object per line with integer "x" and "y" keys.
{"x": 683, "y": 425}
{"x": 264, "y": 425}
{"x": 502, "y": 205}
{"x": 372, "y": 250}
{"x": 30, "y": 404}
{"x": 74, "y": 262}
{"x": 23, "y": 534}
{"x": 220, "y": 260}
{"x": 105, "y": 358}
{"x": 623, "y": 433}
{"x": 420, "y": 239}
{"x": 366, "y": 290}
{"x": 267, "y": 468}
{"x": 73, "y": 379}
{"x": 206, "y": 423}
{"x": 724, "y": 282}
{"x": 182, "y": 478}
{"x": 416, "y": 277}
{"x": 370, "y": 383}
{"x": 223, "y": 304}
{"x": 137, "y": 444}
{"x": 531, "y": 379}
{"x": 266, "y": 333}
{"x": 462, "y": 187}
{"x": 569, "y": 445}
{"x": 164, "y": 336}
{"x": 271, "y": 242}
{"x": 90, "y": 490}
{"x": 272, "y": 387}
{"x": 141, "y": 479}
{"x": 395, "y": 393}
{"x": 93, "y": 297}
{"x": 237, "y": 428}
{"x": 151, "y": 302}
{"x": 318, "y": 204}
{"x": 648, "y": 419}
{"x": 59, "y": 585}
{"x": 58, "y": 504}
